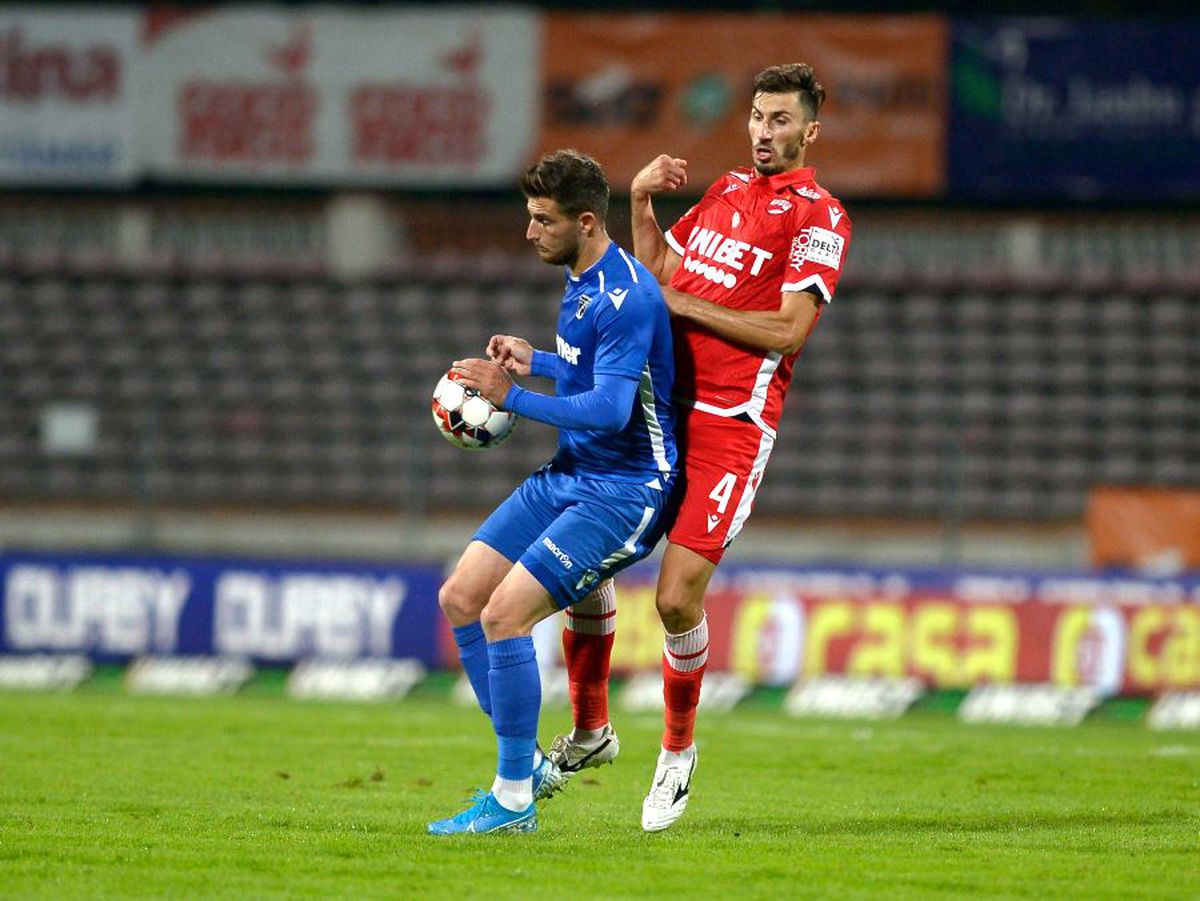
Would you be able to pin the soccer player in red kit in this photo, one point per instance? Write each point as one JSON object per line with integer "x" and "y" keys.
{"x": 747, "y": 273}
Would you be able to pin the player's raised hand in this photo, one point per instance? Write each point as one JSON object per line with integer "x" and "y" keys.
{"x": 488, "y": 378}
{"x": 514, "y": 354}
{"x": 663, "y": 173}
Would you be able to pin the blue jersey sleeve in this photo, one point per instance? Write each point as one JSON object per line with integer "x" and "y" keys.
{"x": 544, "y": 364}
{"x": 623, "y": 334}
{"x": 606, "y": 408}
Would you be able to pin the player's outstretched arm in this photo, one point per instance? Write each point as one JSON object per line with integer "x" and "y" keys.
{"x": 782, "y": 331}
{"x": 663, "y": 173}
{"x": 606, "y": 408}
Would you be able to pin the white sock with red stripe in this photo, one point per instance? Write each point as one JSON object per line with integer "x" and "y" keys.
{"x": 587, "y": 647}
{"x": 684, "y": 658}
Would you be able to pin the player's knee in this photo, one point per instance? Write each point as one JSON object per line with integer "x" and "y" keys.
{"x": 497, "y": 621}
{"x": 509, "y": 613}
{"x": 459, "y": 604}
{"x": 679, "y": 608}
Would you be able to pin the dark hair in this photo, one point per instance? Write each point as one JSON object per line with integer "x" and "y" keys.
{"x": 792, "y": 78}
{"x": 571, "y": 179}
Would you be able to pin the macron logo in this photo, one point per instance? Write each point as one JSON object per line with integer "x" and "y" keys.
{"x": 618, "y": 296}
{"x": 712, "y": 521}
{"x": 560, "y": 555}
{"x": 835, "y": 216}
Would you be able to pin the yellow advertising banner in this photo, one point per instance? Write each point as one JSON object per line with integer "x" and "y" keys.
{"x": 625, "y": 88}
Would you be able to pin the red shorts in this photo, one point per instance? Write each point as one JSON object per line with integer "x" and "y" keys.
{"x": 723, "y": 463}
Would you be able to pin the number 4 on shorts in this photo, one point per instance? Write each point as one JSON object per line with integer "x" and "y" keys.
{"x": 721, "y": 494}
{"x": 724, "y": 489}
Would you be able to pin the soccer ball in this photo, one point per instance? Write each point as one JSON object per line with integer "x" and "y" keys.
{"x": 467, "y": 420}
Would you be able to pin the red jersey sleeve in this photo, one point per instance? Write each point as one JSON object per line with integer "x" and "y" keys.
{"x": 818, "y": 250}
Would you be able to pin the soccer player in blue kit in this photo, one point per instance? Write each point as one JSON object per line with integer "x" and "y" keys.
{"x": 597, "y": 506}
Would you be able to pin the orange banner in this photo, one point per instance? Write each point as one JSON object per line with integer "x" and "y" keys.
{"x": 626, "y": 88}
{"x": 1150, "y": 528}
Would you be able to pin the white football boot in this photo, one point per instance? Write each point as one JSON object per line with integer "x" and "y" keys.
{"x": 567, "y": 757}
{"x": 669, "y": 793}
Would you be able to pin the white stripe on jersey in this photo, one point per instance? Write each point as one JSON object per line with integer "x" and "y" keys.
{"x": 754, "y": 480}
{"x": 601, "y": 274}
{"x": 809, "y": 282}
{"x": 654, "y": 428}
{"x": 758, "y": 397}
{"x": 747, "y": 408}
{"x": 629, "y": 548}
{"x": 673, "y": 244}
{"x": 629, "y": 263}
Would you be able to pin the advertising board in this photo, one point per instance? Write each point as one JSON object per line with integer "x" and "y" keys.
{"x": 1085, "y": 109}
{"x": 418, "y": 97}
{"x": 116, "y": 607}
{"x": 69, "y": 88}
{"x": 626, "y": 88}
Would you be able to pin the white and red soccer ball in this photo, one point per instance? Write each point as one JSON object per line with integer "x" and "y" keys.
{"x": 467, "y": 420}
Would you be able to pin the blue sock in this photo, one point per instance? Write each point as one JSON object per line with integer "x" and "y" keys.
{"x": 516, "y": 691}
{"x": 473, "y": 652}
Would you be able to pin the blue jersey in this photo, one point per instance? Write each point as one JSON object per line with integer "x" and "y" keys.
{"x": 614, "y": 322}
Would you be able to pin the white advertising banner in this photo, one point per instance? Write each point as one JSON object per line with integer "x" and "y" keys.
{"x": 408, "y": 97}
{"x": 67, "y": 96}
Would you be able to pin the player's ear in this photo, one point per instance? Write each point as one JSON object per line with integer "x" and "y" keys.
{"x": 810, "y": 132}
{"x": 587, "y": 223}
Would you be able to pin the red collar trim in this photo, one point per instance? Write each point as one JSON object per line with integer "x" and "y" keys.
{"x": 805, "y": 175}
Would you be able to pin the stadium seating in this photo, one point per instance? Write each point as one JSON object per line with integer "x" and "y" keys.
{"x": 945, "y": 377}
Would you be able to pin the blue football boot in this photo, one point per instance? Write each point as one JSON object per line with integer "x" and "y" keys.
{"x": 486, "y": 815}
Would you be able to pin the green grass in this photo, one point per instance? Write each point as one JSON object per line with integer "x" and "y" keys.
{"x": 105, "y": 795}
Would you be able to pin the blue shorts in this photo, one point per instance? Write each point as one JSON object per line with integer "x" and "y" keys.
{"x": 571, "y": 531}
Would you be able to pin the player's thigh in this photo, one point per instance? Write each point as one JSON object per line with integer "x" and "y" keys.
{"x": 522, "y": 517}
{"x": 518, "y": 604}
{"x": 722, "y": 471}
{"x": 683, "y": 579}
{"x": 609, "y": 526}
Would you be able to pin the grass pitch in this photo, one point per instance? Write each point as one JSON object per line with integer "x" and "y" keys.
{"x": 106, "y": 795}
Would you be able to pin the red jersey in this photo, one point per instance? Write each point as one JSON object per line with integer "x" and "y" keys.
{"x": 749, "y": 239}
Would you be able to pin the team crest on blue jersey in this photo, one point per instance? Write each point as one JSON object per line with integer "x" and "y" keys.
{"x": 585, "y": 301}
